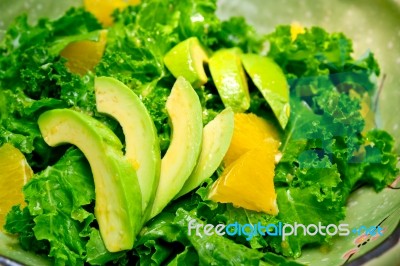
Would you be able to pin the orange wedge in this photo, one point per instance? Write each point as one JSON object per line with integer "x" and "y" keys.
{"x": 296, "y": 29}
{"x": 103, "y": 9}
{"x": 248, "y": 132}
{"x": 249, "y": 181}
{"x": 83, "y": 56}
{"x": 14, "y": 174}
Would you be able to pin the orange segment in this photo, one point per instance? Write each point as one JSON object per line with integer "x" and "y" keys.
{"x": 249, "y": 181}
{"x": 83, "y": 56}
{"x": 248, "y": 132}
{"x": 14, "y": 174}
{"x": 296, "y": 29}
{"x": 103, "y": 9}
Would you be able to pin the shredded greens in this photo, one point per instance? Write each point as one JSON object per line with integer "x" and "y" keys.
{"x": 326, "y": 154}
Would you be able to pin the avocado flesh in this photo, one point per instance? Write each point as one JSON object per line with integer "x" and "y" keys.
{"x": 184, "y": 109}
{"x": 230, "y": 79}
{"x": 271, "y": 81}
{"x": 142, "y": 147}
{"x": 118, "y": 200}
{"x": 186, "y": 59}
{"x": 217, "y": 135}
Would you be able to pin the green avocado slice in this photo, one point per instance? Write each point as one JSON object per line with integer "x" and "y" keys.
{"x": 142, "y": 146}
{"x": 184, "y": 109}
{"x": 217, "y": 135}
{"x": 271, "y": 81}
{"x": 186, "y": 59}
{"x": 118, "y": 200}
{"x": 230, "y": 79}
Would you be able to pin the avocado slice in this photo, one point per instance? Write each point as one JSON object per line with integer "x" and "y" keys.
{"x": 186, "y": 59}
{"x": 118, "y": 200}
{"x": 217, "y": 135}
{"x": 229, "y": 78}
{"x": 142, "y": 147}
{"x": 271, "y": 81}
{"x": 184, "y": 109}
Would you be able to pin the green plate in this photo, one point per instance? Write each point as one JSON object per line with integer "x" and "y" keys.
{"x": 371, "y": 24}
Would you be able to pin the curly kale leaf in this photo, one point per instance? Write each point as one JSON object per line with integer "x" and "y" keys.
{"x": 375, "y": 163}
{"x": 301, "y": 206}
{"x": 20, "y": 222}
{"x": 58, "y": 219}
{"x": 317, "y": 53}
{"x": 236, "y": 32}
{"x": 34, "y": 78}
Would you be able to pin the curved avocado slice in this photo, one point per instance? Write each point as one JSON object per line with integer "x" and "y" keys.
{"x": 271, "y": 81}
{"x": 186, "y": 59}
{"x": 229, "y": 78}
{"x": 142, "y": 147}
{"x": 184, "y": 109}
{"x": 217, "y": 135}
{"x": 118, "y": 201}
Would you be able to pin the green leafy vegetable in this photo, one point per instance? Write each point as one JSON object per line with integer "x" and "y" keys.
{"x": 317, "y": 53}
{"x": 21, "y": 222}
{"x": 33, "y": 79}
{"x": 325, "y": 154}
{"x": 59, "y": 215}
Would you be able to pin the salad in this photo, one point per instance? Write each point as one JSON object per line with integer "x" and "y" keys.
{"x": 139, "y": 133}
